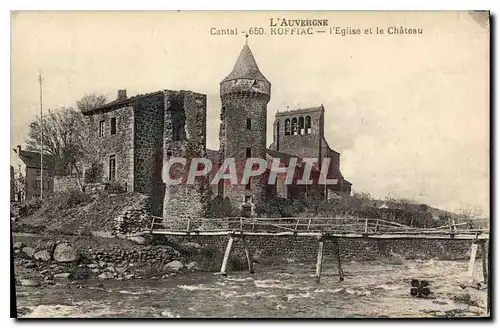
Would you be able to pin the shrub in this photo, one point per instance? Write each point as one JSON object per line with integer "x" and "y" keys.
{"x": 30, "y": 206}
{"x": 222, "y": 207}
{"x": 114, "y": 187}
{"x": 94, "y": 173}
{"x": 282, "y": 207}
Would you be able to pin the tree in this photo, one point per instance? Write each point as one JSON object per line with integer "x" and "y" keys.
{"x": 66, "y": 136}
{"x": 62, "y": 138}
{"x": 90, "y": 101}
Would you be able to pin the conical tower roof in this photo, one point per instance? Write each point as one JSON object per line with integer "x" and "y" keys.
{"x": 246, "y": 67}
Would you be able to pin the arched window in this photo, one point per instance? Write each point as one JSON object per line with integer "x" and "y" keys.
{"x": 301, "y": 125}
{"x": 308, "y": 124}
{"x": 287, "y": 127}
{"x": 294, "y": 126}
{"x": 278, "y": 135}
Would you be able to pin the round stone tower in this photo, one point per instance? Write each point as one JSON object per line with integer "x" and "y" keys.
{"x": 244, "y": 94}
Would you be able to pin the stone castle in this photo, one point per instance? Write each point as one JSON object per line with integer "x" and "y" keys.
{"x": 135, "y": 136}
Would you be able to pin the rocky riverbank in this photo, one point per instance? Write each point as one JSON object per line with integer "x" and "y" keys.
{"x": 46, "y": 260}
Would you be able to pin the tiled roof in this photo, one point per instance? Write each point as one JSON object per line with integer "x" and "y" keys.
{"x": 333, "y": 172}
{"x": 246, "y": 67}
{"x": 300, "y": 111}
{"x": 121, "y": 103}
{"x": 32, "y": 159}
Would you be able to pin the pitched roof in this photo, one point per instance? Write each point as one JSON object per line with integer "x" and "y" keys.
{"x": 32, "y": 159}
{"x": 284, "y": 158}
{"x": 246, "y": 67}
{"x": 119, "y": 103}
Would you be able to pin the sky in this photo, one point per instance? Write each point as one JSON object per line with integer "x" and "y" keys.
{"x": 409, "y": 113}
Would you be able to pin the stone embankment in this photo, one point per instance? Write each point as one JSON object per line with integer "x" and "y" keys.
{"x": 40, "y": 261}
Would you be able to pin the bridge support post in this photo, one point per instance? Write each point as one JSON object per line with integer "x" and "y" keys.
{"x": 226, "y": 256}
{"x": 472, "y": 261}
{"x": 319, "y": 262}
{"x": 484, "y": 260}
{"x": 247, "y": 253}
{"x": 339, "y": 261}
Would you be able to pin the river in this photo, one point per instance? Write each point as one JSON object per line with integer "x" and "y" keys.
{"x": 370, "y": 289}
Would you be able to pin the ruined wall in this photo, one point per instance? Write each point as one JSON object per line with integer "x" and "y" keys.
{"x": 121, "y": 144}
{"x": 184, "y": 135}
{"x": 148, "y": 154}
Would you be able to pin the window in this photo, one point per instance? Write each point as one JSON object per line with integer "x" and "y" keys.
{"x": 37, "y": 184}
{"x": 249, "y": 124}
{"x": 278, "y": 135}
{"x": 301, "y": 125}
{"x": 249, "y": 152}
{"x": 287, "y": 127}
{"x": 113, "y": 126}
{"x": 308, "y": 124}
{"x": 112, "y": 167}
{"x": 248, "y": 199}
{"x": 294, "y": 126}
{"x": 248, "y": 186}
{"x": 101, "y": 129}
{"x": 37, "y": 173}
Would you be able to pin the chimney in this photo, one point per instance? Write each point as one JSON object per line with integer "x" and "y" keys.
{"x": 122, "y": 94}
{"x": 19, "y": 149}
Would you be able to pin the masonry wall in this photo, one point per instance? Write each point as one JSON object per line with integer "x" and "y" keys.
{"x": 65, "y": 183}
{"x": 275, "y": 249}
{"x": 237, "y": 138}
{"x": 186, "y": 109}
{"x": 120, "y": 144}
{"x": 32, "y": 177}
{"x": 307, "y": 145}
{"x": 148, "y": 152}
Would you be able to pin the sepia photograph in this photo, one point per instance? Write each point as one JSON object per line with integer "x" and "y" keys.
{"x": 250, "y": 164}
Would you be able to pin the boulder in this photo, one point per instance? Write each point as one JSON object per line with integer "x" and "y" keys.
{"x": 47, "y": 245}
{"x": 30, "y": 265}
{"x": 64, "y": 253}
{"x": 105, "y": 275}
{"x": 138, "y": 239}
{"x": 173, "y": 266}
{"x": 29, "y": 283}
{"x": 63, "y": 275}
{"x": 28, "y": 251}
{"x": 192, "y": 266}
{"x": 191, "y": 246}
{"x": 42, "y": 255}
{"x": 18, "y": 245}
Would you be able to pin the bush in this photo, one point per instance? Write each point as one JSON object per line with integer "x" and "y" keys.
{"x": 29, "y": 207}
{"x": 114, "y": 187}
{"x": 69, "y": 199}
{"x": 282, "y": 207}
{"x": 94, "y": 173}
{"x": 222, "y": 207}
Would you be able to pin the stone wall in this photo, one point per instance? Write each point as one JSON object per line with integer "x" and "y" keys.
{"x": 239, "y": 107}
{"x": 307, "y": 145}
{"x": 305, "y": 249}
{"x": 65, "y": 183}
{"x": 119, "y": 144}
{"x": 148, "y": 152}
{"x": 184, "y": 135}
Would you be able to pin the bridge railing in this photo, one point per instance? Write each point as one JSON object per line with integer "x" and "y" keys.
{"x": 331, "y": 225}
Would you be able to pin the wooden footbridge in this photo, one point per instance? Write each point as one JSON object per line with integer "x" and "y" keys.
{"x": 322, "y": 229}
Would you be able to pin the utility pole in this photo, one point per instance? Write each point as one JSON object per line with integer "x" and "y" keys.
{"x": 41, "y": 136}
